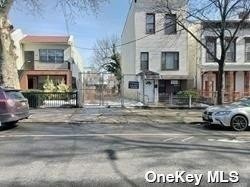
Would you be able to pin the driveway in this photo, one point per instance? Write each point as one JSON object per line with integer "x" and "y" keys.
{"x": 74, "y": 154}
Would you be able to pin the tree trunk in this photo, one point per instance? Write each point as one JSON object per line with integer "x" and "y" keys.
{"x": 220, "y": 84}
{"x": 8, "y": 67}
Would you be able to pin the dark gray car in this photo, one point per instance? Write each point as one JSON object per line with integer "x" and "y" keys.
{"x": 13, "y": 106}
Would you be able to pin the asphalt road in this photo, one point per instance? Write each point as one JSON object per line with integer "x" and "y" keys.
{"x": 118, "y": 155}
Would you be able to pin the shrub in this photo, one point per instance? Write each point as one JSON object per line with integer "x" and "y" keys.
{"x": 62, "y": 87}
{"x": 49, "y": 85}
{"x": 187, "y": 93}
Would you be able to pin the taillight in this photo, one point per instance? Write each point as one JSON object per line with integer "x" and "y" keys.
{"x": 10, "y": 103}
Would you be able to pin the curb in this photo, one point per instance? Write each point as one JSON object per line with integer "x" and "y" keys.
{"x": 125, "y": 123}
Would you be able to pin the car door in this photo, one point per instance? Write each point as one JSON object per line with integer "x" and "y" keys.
{"x": 18, "y": 103}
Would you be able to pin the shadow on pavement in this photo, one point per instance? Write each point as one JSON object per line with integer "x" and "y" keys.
{"x": 217, "y": 128}
{"x": 8, "y": 126}
{"x": 111, "y": 154}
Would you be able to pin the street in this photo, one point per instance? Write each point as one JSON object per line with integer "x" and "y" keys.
{"x": 75, "y": 154}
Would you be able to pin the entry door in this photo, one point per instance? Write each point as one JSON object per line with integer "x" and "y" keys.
{"x": 149, "y": 91}
{"x": 29, "y": 59}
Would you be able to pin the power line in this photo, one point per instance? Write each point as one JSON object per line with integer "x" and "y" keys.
{"x": 132, "y": 41}
{"x": 120, "y": 45}
{"x": 65, "y": 18}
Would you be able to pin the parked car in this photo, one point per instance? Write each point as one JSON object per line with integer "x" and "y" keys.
{"x": 235, "y": 115}
{"x": 13, "y": 106}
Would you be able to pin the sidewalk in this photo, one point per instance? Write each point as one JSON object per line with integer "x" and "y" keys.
{"x": 115, "y": 116}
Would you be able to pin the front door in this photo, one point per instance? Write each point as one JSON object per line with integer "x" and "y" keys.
{"x": 29, "y": 59}
{"x": 149, "y": 91}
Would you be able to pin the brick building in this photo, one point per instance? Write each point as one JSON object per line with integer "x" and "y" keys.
{"x": 236, "y": 81}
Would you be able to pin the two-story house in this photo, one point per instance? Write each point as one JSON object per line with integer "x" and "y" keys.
{"x": 236, "y": 81}
{"x": 154, "y": 50}
{"x": 39, "y": 57}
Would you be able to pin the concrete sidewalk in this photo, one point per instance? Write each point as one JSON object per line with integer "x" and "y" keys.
{"x": 115, "y": 116}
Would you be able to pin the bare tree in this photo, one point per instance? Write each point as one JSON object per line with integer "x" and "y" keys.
{"x": 103, "y": 50}
{"x": 216, "y": 19}
{"x": 107, "y": 57}
{"x": 8, "y": 69}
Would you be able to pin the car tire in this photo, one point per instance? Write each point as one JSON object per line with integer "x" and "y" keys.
{"x": 11, "y": 124}
{"x": 239, "y": 123}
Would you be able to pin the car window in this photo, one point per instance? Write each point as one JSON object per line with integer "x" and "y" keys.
{"x": 242, "y": 103}
{"x": 15, "y": 95}
{"x": 2, "y": 97}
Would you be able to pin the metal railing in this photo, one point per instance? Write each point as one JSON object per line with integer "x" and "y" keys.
{"x": 52, "y": 99}
{"x": 228, "y": 97}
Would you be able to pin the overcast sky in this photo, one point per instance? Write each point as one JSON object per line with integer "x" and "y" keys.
{"x": 86, "y": 30}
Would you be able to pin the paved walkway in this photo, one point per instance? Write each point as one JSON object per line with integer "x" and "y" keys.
{"x": 115, "y": 116}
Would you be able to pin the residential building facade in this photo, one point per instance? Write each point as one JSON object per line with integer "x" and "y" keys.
{"x": 154, "y": 53}
{"x": 236, "y": 81}
{"x": 39, "y": 57}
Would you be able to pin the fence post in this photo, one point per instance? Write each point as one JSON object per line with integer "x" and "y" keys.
{"x": 190, "y": 101}
{"x": 77, "y": 100}
{"x": 171, "y": 99}
{"x": 216, "y": 96}
{"x": 122, "y": 91}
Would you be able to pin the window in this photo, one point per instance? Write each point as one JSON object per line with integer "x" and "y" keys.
{"x": 211, "y": 44}
{"x": 170, "y": 61}
{"x": 231, "y": 52}
{"x": 144, "y": 61}
{"x": 15, "y": 95}
{"x": 170, "y": 24}
{"x": 150, "y": 23}
{"x": 247, "y": 49}
{"x": 51, "y": 55}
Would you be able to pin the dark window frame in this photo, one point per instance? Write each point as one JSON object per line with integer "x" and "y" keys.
{"x": 234, "y": 48}
{"x": 210, "y": 40}
{"x": 174, "y": 31}
{"x": 163, "y": 63}
{"x": 247, "y": 41}
{"x": 144, "y": 61}
{"x": 151, "y": 24}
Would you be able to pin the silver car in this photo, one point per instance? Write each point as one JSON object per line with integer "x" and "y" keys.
{"x": 235, "y": 115}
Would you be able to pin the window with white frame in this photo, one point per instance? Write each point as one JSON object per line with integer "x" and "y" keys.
{"x": 51, "y": 55}
{"x": 247, "y": 49}
{"x": 170, "y": 61}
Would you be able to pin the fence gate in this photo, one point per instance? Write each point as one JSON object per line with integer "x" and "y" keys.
{"x": 100, "y": 89}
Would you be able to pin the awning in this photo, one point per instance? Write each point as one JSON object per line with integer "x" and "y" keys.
{"x": 149, "y": 74}
{"x": 176, "y": 77}
{"x": 157, "y": 76}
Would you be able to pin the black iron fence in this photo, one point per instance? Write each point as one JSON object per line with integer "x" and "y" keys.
{"x": 52, "y": 99}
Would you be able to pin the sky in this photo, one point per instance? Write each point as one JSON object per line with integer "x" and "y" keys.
{"x": 86, "y": 29}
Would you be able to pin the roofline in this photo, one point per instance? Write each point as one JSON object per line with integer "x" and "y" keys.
{"x": 131, "y": 5}
{"x": 70, "y": 39}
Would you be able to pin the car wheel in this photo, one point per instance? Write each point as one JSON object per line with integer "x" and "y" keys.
{"x": 239, "y": 123}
